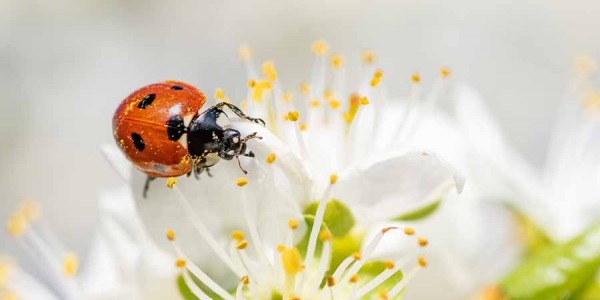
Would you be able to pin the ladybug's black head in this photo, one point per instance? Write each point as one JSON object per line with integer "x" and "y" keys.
{"x": 232, "y": 144}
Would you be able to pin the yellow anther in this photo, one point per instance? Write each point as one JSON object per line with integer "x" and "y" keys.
{"x": 303, "y": 126}
{"x": 293, "y": 223}
{"x": 288, "y": 97}
{"x": 294, "y": 297}
{"x": 170, "y": 234}
{"x": 293, "y": 116}
{"x": 180, "y": 263}
{"x": 305, "y": 88}
{"x": 10, "y": 296}
{"x": 292, "y": 261}
{"x": 383, "y": 295}
{"x": 330, "y": 281}
{"x": 70, "y": 264}
{"x": 16, "y": 224}
{"x": 325, "y": 235}
{"x": 259, "y": 88}
{"x": 5, "y": 272}
{"x": 415, "y": 78}
{"x": 375, "y": 82}
{"x": 368, "y": 57}
{"x": 245, "y": 52}
{"x": 423, "y": 242}
{"x": 409, "y": 231}
{"x": 327, "y": 94}
{"x": 242, "y": 181}
{"x": 347, "y": 117}
{"x": 357, "y": 255}
{"x": 171, "y": 182}
{"x": 378, "y": 73}
{"x": 271, "y": 158}
{"x": 30, "y": 210}
{"x": 354, "y": 101}
{"x": 242, "y": 245}
{"x": 281, "y": 248}
{"x": 251, "y": 83}
{"x": 354, "y": 278}
{"x": 337, "y": 61}
{"x": 491, "y": 293}
{"x": 245, "y": 280}
{"x": 335, "y": 104}
{"x": 389, "y": 264}
{"x": 219, "y": 95}
{"x": 237, "y": 235}
{"x": 585, "y": 65}
{"x": 591, "y": 102}
{"x": 268, "y": 70}
{"x": 421, "y": 261}
{"x": 244, "y": 104}
{"x": 445, "y": 72}
{"x": 364, "y": 100}
{"x": 315, "y": 103}
{"x": 333, "y": 178}
{"x": 320, "y": 47}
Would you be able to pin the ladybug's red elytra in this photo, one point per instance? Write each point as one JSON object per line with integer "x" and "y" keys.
{"x": 162, "y": 129}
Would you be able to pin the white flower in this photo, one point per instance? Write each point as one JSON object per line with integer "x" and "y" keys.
{"x": 561, "y": 197}
{"x": 315, "y": 149}
{"x": 123, "y": 263}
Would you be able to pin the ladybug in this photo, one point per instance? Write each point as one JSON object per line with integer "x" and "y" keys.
{"x": 162, "y": 129}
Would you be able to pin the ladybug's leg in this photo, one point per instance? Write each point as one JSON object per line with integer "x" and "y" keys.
{"x": 208, "y": 172}
{"x": 147, "y": 186}
{"x": 236, "y": 110}
{"x": 249, "y": 154}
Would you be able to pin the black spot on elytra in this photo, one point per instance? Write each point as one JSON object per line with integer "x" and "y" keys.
{"x": 146, "y": 101}
{"x": 138, "y": 142}
{"x": 177, "y": 87}
{"x": 175, "y": 127}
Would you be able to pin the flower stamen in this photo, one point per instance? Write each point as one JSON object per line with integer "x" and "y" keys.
{"x": 184, "y": 263}
{"x": 204, "y": 232}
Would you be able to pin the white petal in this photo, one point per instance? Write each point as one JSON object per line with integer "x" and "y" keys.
{"x": 123, "y": 262}
{"x": 273, "y": 194}
{"x": 117, "y": 160}
{"x": 26, "y": 287}
{"x": 492, "y": 162}
{"x": 389, "y": 187}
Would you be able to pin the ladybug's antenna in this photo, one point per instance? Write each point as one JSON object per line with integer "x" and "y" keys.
{"x": 240, "y": 164}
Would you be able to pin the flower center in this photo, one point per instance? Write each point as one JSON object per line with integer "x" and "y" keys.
{"x": 265, "y": 271}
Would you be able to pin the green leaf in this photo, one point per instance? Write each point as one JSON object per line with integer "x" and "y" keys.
{"x": 338, "y": 216}
{"x": 370, "y": 270}
{"x": 556, "y": 272}
{"x": 591, "y": 292}
{"x": 534, "y": 236}
{"x": 419, "y": 213}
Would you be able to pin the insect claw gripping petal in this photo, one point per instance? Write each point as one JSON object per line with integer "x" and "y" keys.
{"x": 236, "y": 110}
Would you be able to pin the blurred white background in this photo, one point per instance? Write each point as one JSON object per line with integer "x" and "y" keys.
{"x": 66, "y": 64}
